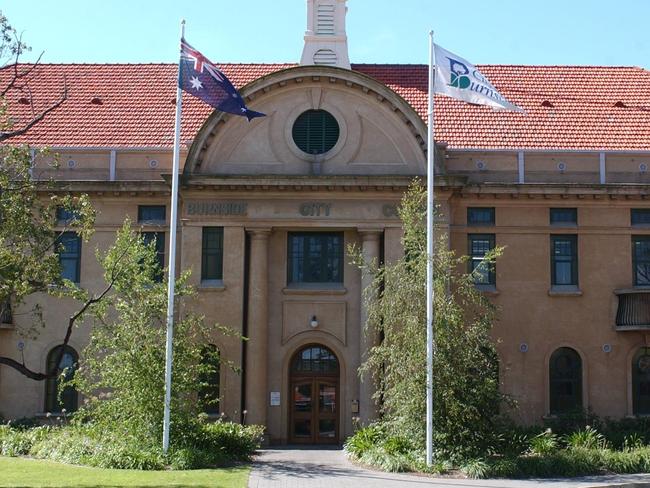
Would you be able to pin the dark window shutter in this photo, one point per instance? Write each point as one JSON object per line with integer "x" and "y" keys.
{"x": 315, "y": 131}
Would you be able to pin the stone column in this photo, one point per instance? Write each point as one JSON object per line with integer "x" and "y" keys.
{"x": 257, "y": 344}
{"x": 367, "y": 339}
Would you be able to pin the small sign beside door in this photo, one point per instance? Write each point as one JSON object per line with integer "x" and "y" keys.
{"x": 275, "y": 398}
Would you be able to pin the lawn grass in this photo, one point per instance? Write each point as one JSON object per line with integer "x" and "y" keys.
{"x": 34, "y": 473}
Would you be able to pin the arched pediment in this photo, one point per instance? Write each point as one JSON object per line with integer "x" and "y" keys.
{"x": 380, "y": 134}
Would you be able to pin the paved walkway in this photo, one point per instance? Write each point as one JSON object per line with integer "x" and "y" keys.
{"x": 329, "y": 468}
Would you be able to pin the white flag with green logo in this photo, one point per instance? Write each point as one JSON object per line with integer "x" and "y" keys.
{"x": 458, "y": 78}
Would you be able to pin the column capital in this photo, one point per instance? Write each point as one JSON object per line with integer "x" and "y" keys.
{"x": 370, "y": 233}
{"x": 259, "y": 232}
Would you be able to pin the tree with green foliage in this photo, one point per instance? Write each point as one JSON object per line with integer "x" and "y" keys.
{"x": 30, "y": 235}
{"x": 466, "y": 380}
{"x": 122, "y": 374}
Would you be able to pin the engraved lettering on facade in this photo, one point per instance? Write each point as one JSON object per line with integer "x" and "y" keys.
{"x": 217, "y": 208}
{"x": 315, "y": 209}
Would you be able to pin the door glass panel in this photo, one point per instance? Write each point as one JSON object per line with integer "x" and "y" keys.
{"x": 302, "y": 428}
{"x": 302, "y": 398}
{"x": 326, "y": 399}
{"x": 327, "y": 428}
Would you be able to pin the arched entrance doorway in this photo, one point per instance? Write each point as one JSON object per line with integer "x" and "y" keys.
{"x": 314, "y": 394}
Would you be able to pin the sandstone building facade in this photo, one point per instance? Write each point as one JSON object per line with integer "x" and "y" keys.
{"x": 268, "y": 208}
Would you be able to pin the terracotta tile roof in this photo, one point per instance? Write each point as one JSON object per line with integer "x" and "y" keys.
{"x": 568, "y": 107}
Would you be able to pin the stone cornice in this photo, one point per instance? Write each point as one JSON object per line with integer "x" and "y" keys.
{"x": 310, "y": 183}
{"x": 108, "y": 188}
{"x": 613, "y": 191}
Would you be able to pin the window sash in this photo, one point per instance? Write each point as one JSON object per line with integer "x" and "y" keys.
{"x": 70, "y": 256}
{"x": 479, "y": 245}
{"x": 65, "y": 216}
{"x": 565, "y": 381}
{"x": 212, "y": 253}
{"x": 640, "y": 217}
{"x": 69, "y": 396}
{"x": 641, "y": 260}
{"x": 564, "y": 260}
{"x": 152, "y": 214}
{"x": 564, "y": 216}
{"x": 484, "y": 216}
{"x": 315, "y": 257}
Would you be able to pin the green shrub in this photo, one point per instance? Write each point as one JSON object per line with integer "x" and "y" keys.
{"x": 19, "y": 442}
{"x": 391, "y": 462}
{"x": 475, "y": 468}
{"x": 91, "y": 446}
{"x": 544, "y": 443}
{"x": 363, "y": 440}
{"x": 233, "y": 441}
{"x": 632, "y": 441}
{"x": 588, "y": 438}
{"x": 572, "y": 421}
{"x": 25, "y": 423}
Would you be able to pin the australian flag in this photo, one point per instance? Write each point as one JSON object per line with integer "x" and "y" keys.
{"x": 199, "y": 77}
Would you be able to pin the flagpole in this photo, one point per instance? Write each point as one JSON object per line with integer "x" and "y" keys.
{"x": 172, "y": 259}
{"x": 430, "y": 250}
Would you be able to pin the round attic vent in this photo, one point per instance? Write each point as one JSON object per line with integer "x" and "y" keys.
{"x": 315, "y": 131}
{"x": 153, "y": 164}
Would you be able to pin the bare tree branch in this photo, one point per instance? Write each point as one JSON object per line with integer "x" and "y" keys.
{"x": 35, "y": 120}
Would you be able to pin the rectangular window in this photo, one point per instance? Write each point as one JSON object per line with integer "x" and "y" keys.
{"x": 564, "y": 217}
{"x": 5, "y": 313}
{"x": 641, "y": 260}
{"x": 640, "y": 217}
{"x": 212, "y": 254}
{"x": 154, "y": 214}
{"x": 564, "y": 260}
{"x": 159, "y": 239}
{"x": 480, "y": 216}
{"x": 64, "y": 216}
{"x": 479, "y": 246}
{"x": 315, "y": 257}
{"x": 69, "y": 244}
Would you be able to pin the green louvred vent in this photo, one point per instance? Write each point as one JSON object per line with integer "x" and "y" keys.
{"x": 315, "y": 131}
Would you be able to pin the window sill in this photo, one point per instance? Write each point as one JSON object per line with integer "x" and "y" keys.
{"x": 487, "y": 289}
{"x": 211, "y": 285}
{"x": 315, "y": 289}
{"x": 564, "y": 291}
{"x": 5, "y": 325}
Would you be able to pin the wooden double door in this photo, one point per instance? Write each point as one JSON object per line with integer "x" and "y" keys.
{"x": 314, "y": 412}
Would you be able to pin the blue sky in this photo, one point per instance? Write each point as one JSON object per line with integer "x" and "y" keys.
{"x": 576, "y": 32}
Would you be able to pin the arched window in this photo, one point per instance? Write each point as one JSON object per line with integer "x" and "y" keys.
{"x": 565, "y": 374}
{"x": 210, "y": 380}
{"x": 315, "y": 360}
{"x": 69, "y": 398}
{"x": 641, "y": 382}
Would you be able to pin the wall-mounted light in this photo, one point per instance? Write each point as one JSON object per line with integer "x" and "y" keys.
{"x": 523, "y": 347}
{"x": 314, "y": 321}
{"x": 607, "y": 348}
